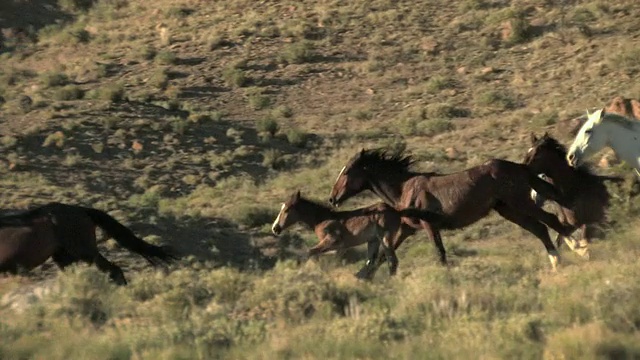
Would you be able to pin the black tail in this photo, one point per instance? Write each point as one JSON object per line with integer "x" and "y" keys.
{"x": 125, "y": 237}
{"x": 548, "y": 191}
{"x": 435, "y": 219}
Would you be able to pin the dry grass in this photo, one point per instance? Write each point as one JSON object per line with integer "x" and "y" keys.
{"x": 192, "y": 122}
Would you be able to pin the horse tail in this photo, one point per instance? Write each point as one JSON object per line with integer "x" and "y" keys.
{"x": 434, "y": 218}
{"x": 548, "y": 191}
{"x": 125, "y": 237}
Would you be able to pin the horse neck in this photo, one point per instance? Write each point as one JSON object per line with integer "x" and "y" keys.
{"x": 623, "y": 142}
{"x": 312, "y": 214}
{"x": 564, "y": 176}
{"x": 389, "y": 187}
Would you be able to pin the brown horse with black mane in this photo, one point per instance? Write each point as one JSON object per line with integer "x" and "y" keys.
{"x": 66, "y": 233}
{"x": 585, "y": 190}
{"x": 377, "y": 225}
{"x": 463, "y": 197}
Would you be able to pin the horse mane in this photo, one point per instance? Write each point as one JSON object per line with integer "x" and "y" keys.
{"x": 621, "y": 120}
{"x": 584, "y": 169}
{"x": 383, "y": 161}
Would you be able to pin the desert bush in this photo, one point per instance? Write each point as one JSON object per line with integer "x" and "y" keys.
{"x": 272, "y": 158}
{"x": 113, "y": 92}
{"x": 76, "y": 5}
{"x": 296, "y": 138}
{"x": 54, "y": 79}
{"x": 496, "y": 99}
{"x": 297, "y": 53}
{"x": 282, "y": 111}
{"x": 69, "y": 92}
{"x": 159, "y": 79}
{"x": 234, "y": 76}
{"x": 166, "y": 58}
{"x": 268, "y": 125}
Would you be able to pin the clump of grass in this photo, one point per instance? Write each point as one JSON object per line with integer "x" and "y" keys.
{"x": 147, "y": 52}
{"x": 76, "y": 5}
{"x": 434, "y": 126}
{"x": 258, "y": 101}
{"x": 297, "y": 138}
{"x": 268, "y": 125}
{"x": 272, "y": 158}
{"x": 159, "y": 79}
{"x": 438, "y": 83}
{"x": 297, "y": 53}
{"x": 282, "y": 111}
{"x": 178, "y": 125}
{"x": 114, "y": 93}
{"x": 234, "y": 76}
{"x": 57, "y": 138}
{"x": 8, "y": 141}
{"x": 179, "y": 12}
{"x": 72, "y": 159}
{"x": 440, "y": 110}
{"x": 54, "y": 79}
{"x": 496, "y": 99}
{"x": 166, "y": 58}
{"x": 215, "y": 41}
{"x": 69, "y": 92}
{"x": 521, "y": 30}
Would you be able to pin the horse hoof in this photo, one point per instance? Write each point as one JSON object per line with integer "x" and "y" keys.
{"x": 584, "y": 253}
{"x": 363, "y": 274}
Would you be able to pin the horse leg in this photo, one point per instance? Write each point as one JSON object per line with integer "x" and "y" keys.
{"x": 437, "y": 240}
{"x": 114, "y": 271}
{"x": 552, "y": 221}
{"x": 390, "y": 253}
{"x": 62, "y": 258}
{"x": 583, "y": 245}
{"x": 370, "y": 267}
{"x": 533, "y": 226}
{"x": 326, "y": 244}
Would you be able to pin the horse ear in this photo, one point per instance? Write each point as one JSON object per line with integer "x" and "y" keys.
{"x": 588, "y": 113}
{"x": 533, "y": 138}
{"x": 546, "y": 135}
{"x": 297, "y": 195}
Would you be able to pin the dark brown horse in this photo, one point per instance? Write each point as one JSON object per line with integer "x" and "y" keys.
{"x": 377, "y": 225}
{"x": 463, "y": 197}
{"x": 584, "y": 189}
{"x": 67, "y": 234}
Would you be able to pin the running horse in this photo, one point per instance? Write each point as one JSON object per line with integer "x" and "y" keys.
{"x": 66, "y": 233}
{"x": 377, "y": 225}
{"x": 605, "y": 129}
{"x": 463, "y": 197}
{"x": 586, "y": 190}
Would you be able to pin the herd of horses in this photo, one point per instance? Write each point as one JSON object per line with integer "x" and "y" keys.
{"x": 411, "y": 201}
{"x": 434, "y": 201}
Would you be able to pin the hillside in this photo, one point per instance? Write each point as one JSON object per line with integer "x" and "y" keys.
{"x": 191, "y": 121}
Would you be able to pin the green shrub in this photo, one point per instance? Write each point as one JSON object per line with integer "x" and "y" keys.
{"x": 76, "y": 5}
{"x": 234, "y": 76}
{"x": 268, "y": 125}
{"x": 282, "y": 111}
{"x": 113, "y": 93}
{"x": 297, "y": 53}
{"x": 69, "y": 92}
{"x": 297, "y": 138}
{"x": 54, "y": 79}
{"x": 272, "y": 158}
{"x": 166, "y": 58}
{"x": 252, "y": 216}
{"x": 159, "y": 79}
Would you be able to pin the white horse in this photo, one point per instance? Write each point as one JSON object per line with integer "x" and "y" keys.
{"x": 607, "y": 130}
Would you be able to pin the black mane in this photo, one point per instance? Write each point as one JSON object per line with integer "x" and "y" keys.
{"x": 550, "y": 142}
{"x": 383, "y": 161}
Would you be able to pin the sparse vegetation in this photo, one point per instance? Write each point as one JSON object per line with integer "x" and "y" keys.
{"x": 195, "y": 126}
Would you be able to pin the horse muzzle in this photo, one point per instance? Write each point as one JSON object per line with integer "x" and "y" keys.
{"x": 276, "y": 229}
{"x": 572, "y": 159}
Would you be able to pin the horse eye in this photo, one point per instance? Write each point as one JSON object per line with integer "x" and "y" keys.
{"x": 588, "y": 132}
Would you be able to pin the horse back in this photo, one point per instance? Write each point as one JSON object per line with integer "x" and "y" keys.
{"x": 28, "y": 246}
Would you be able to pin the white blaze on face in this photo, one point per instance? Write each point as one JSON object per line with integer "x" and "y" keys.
{"x": 530, "y": 150}
{"x": 277, "y": 219}
{"x": 341, "y": 171}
